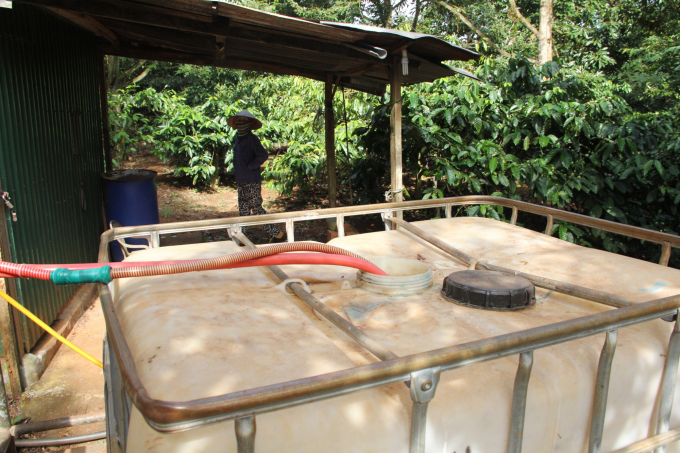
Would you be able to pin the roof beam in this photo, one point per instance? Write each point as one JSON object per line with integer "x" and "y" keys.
{"x": 301, "y": 26}
{"x": 264, "y": 36}
{"x": 137, "y": 13}
{"x": 87, "y": 23}
{"x": 230, "y": 63}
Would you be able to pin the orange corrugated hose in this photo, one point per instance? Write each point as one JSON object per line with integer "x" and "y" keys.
{"x": 222, "y": 261}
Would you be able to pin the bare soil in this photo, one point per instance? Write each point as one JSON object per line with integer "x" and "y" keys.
{"x": 180, "y": 201}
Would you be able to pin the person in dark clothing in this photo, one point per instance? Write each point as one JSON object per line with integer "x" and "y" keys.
{"x": 249, "y": 155}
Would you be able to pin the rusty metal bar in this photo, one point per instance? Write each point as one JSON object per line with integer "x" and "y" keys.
{"x": 423, "y": 387}
{"x": 57, "y": 423}
{"x": 577, "y": 219}
{"x": 418, "y": 427}
{"x": 604, "y": 370}
{"x": 290, "y": 230}
{"x": 665, "y": 254}
{"x": 555, "y": 285}
{"x": 338, "y": 321}
{"x": 513, "y": 218}
{"x": 651, "y": 443}
{"x": 246, "y": 429}
{"x": 549, "y": 225}
{"x": 519, "y": 401}
{"x": 670, "y": 375}
{"x": 168, "y": 416}
{"x": 340, "y": 225}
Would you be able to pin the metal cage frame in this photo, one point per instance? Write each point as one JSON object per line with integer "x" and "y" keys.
{"x": 420, "y": 371}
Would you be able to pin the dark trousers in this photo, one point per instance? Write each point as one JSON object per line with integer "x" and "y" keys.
{"x": 250, "y": 203}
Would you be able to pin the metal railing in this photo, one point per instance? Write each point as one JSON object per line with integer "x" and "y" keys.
{"x": 420, "y": 372}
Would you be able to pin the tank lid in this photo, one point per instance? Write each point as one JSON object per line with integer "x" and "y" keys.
{"x": 130, "y": 175}
{"x": 489, "y": 290}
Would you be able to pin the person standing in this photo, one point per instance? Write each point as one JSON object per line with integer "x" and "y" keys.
{"x": 249, "y": 155}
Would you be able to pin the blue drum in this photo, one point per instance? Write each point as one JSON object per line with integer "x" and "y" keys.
{"x": 130, "y": 199}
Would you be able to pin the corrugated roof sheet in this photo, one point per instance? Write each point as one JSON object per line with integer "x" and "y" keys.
{"x": 226, "y": 35}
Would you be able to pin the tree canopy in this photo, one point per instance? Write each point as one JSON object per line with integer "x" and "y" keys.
{"x": 577, "y": 107}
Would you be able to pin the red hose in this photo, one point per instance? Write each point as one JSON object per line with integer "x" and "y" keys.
{"x": 24, "y": 270}
{"x": 223, "y": 261}
{"x": 329, "y": 255}
{"x": 272, "y": 260}
{"x": 311, "y": 258}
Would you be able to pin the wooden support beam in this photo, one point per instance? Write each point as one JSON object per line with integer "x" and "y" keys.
{"x": 395, "y": 132}
{"x": 330, "y": 141}
{"x": 204, "y": 60}
{"x": 137, "y": 13}
{"x": 8, "y": 331}
{"x": 239, "y": 35}
{"x": 300, "y": 26}
{"x": 87, "y": 22}
{"x": 104, "y": 101}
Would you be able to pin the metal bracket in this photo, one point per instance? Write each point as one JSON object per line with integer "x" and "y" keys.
{"x": 234, "y": 230}
{"x": 10, "y": 206}
{"x": 424, "y": 384}
{"x": 387, "y": 214}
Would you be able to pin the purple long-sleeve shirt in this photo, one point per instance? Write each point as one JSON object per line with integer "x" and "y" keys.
{"x": 249, "y": 155}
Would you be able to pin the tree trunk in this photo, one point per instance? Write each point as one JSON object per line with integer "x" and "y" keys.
{"x": 545, "y": 39}
{"x": 415, "y": 16}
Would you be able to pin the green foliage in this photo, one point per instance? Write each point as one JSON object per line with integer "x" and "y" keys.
{"x": 595, "y": 132}
{"x": 560, "y": 136}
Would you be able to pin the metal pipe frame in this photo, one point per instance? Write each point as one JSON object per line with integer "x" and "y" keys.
{"x": 245, "y": 434}
{"x": 651, "y": 443}
{"x": 170, "y": 416}
{"x": 543, "y": 282}
{"x": 670, "y": 375}
{"x": 519, "y": 402}
{"x": 667, "y": 240}
{"x": 338, "y": 321}
{"x": 57, "y": 423}
{"x": 423, "y": 387}
{"x": 604, "y": 370}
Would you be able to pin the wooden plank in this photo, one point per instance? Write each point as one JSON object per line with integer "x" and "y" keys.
{"x": 246, "y": 38}
{"x": 193, "y": 6}
{"x": 86, "y": 22}
{"x": 159, "y": 8}
{"x": 395, "y": 131}
{"x": 168, "y": 40}
{"x": 8, "y": 331}
{"x": 101, "y": 8}
{"x": 280, "y": 22}
{"x": 231, "y": 63}
{"x": 104, "y": 102}
{"x": 292, "y": 41}
{"x": 329, "y": 124}
{"x": 363, "y": 84}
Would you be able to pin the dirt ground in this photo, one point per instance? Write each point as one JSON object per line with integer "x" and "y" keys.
{"x": 70, "y": 386}
{"x": 180, "y": 201}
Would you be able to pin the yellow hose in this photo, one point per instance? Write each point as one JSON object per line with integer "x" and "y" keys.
{"x": 49, "y": 330}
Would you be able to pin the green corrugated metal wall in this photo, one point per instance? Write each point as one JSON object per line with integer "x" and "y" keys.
{"x": 50, "y": 150}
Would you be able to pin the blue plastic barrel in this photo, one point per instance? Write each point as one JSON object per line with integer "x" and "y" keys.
{"x": 130, "y": 199}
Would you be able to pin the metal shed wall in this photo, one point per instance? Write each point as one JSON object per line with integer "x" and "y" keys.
{"x": 50, "y": 150}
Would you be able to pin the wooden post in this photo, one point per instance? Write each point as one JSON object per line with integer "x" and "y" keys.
{"x": 7, "y": 322}
{"x": 330, "y": 141}
{"x": 104, "y": 100}
{"x": 395, "y": 131}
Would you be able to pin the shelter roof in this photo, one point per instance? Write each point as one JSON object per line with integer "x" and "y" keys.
{"x": 216, "y": 33}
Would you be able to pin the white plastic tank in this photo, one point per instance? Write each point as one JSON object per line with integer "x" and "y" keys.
{"x": 204, "y": 334}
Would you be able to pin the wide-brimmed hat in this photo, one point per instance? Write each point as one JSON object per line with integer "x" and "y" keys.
{"x": 244, "y": 113}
